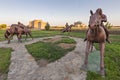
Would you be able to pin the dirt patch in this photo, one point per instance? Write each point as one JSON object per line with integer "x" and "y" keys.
{"x": 52, "y": 40}
{"x": 63, "y": 45}
{"x": 66, "y": 46}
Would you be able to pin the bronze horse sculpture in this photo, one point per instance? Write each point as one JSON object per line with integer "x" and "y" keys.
{"x": 68, "y": 28}
{"x": 16, "y": 30}
{"x": 95, "y": 34}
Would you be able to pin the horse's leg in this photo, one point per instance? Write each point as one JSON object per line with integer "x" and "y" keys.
{"x": 87, "y": 51}
{"x": 30, "y": 35}
{"x": 26, "y": 36}
{"x": 19, "y": 37}
{"x": 70, "y": 29}
{"x": 67, "y": 29}
{"x": 91, "y": 47}
{"x": 102, "y": 48}
{"x": 11, "y": 35}
{"x": 10, "y": 38}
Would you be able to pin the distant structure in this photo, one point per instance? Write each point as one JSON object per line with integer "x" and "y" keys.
{"x": 79, "y": 25}
{"x": 37, "y": 24}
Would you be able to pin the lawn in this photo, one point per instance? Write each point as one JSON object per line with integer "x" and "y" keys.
{"x": 2, "y": 35}
{"x": 5, "y": 54}
{"x": 40, "y": 33}
{"x": 48, "y": 50}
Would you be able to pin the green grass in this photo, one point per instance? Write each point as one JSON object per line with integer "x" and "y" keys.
{"x": 78, "y": 34}
{"x": 112, "y": 61}
{"x": 49, "y": 51}
{"x": 2, "y": 35}
{"x": 5, "y": 54}
{"x": 39, "y": 33}
{"x": 66, "y": 40}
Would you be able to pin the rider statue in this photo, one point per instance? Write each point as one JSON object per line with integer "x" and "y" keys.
{"x": 21, "y": 25}
{"x": 66, "y": 25}
{"x": 104, "y": 19}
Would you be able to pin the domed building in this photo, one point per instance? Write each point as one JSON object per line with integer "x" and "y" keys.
{"x": 37, "y": 24}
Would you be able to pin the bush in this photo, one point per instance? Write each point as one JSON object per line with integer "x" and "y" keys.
{"x": 108, "y": 25}
{"x": 3, "y": 26}
{"x": 47, "y": 27}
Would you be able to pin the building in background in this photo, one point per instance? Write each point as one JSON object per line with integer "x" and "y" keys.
{"x": 37, "y": 24}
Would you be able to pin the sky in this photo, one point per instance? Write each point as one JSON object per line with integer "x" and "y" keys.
{"x": 56, "y": 12}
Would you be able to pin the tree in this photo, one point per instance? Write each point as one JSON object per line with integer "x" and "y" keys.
{"x": 108, "y": 25}
{"x": 3, "y": 26}
{"x": 78, "y": 24}
{"x": 47, "y": 27}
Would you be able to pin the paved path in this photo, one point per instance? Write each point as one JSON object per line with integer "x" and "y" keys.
{"x": 24, "y": 67}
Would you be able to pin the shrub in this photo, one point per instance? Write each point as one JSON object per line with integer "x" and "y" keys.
{"x": 3, "y": 26}
{"x": 47, "y": 27}
{"x": 108, "y": 25}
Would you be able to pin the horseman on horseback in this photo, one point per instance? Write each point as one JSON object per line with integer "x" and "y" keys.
{"x": 97, "y": 33}
{"x": 104, "y": 19}
{"x": 19, "y": 30}
{"x": 21, "y": 25}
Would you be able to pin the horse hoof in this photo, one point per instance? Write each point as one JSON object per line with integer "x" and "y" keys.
{"x": 102, "y": 73}
{"x": 8, "y": 42}
{"x": 84, "y": 67}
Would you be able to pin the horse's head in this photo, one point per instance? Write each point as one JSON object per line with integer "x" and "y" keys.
{"x": 7, "y": 33}
{"x": 95, "y": 19}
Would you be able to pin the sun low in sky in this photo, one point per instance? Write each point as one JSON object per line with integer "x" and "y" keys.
{"x": 56, "y": 12}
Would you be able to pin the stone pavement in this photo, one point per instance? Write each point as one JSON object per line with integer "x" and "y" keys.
{"x": 24, "y": 67}
{"x": 94, "y": 61}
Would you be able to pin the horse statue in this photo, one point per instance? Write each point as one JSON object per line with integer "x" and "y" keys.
{"x": 16, "y": 30}
{"x": 95, "y": 34}
{"x": 68, "y": 28}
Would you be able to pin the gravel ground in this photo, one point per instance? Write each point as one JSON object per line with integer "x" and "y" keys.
{"x": 24, "y": 67}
